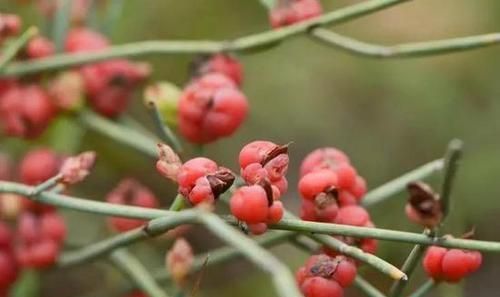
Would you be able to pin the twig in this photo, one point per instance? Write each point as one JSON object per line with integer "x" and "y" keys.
{"x": 408, "y": 267}
{"x": 120, "y": 133}
{"x": 11, "y": 51}
{"x": 397, "y": 185}
{"x": 452, "y": 158}
{"x": 46, "y": 185}
{"x": 61, "y": 23}
{"x": 178, "y": 203}
{"x": 295, "y": 225}
{"x": 424, "y": 289}
{"x": 405, "y": 50}
{"x": 247, "y": 43}
{"x": 137, "y": 273}
{"x": 367, "y": 288}
{"x": 164, "y": 130}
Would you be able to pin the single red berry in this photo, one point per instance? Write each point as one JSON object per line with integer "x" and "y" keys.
{"x": 316, "y": 182}
{"x": 83, "y": 39}
{"x": 257, "y": 229}
{"x": 38, "y": 166}
{"x": 193, "y": 169}
{"x": 39, "y": 47}
{"x": 25, "y": 111}
{"x": 321, "y": 287}
{"x": 352, "y": 215}
{"x": 323, "y": 158}
{"x": 10, "y": 25}
{"x": 210, "y": 108}
{"x": 219, "y": 63}
{"x": 8, "y": 270}
{"x": 250, "y": 204}
{"x": 130, "y": 192}
{"x": 256, "y": 152}
{"x": 359, "y": 188}
{"x": 201, "y": 192}
{"x": 287, "y": 12}
{"x": 432, "y": 262}
{"x": 346, "y": 175}
{"x": 276, "y": 212}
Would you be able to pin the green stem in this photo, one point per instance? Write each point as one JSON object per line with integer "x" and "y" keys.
{"x": 163, "y": 129}
{"x": 11, "y": 51}
{"x": 178, "y": 204}
{"x": 424, "y": 289}
{"x": 113, "y": 12}
{"x": 452, "y": 158}
{"x": 405, "y": 50}
{"x": 283, "y": 279}
{"x": 408, "y": 267}
{"x": 137, "y": 273}
{"x": 46, "y": 185}
{"x": 61, "y": 23}
{"x": 399, "y": 184}
{"x": 251, "y": 42}
{"x": 120, "y": 133}
{"x": 367, "y": 288}
{"x": 295, "y": 225}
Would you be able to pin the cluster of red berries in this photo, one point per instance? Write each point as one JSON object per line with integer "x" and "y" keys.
{"x": 287, "y": 12}
{"x": 35, "y": 236}
{"x": 201, "y": 180}
{"x": 212, "y": 106}
{"x": 130, "y": 192}
{"x": 331, "y": 191}
{"x": 263, "y": 167}
{"x": 323, "y": 275}
{"x": 450, "y": 265}
{"x": 28, "y": 106}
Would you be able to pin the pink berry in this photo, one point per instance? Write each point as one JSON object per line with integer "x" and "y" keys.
{"x": 38, "y": 166}
{"x": 130, "y": 192}
{"x": 352, "y": 215}
{"x": 321, "y": 287}
{"x": 323, "y": 158}
{"x": 39, "y": 47}
{"x": 83, "y": 39}
{"x": 210, "y": 108}
{"x": 250, "y": 204}
{"x": 220, "y": 63}
{"x": 314, "y": 183}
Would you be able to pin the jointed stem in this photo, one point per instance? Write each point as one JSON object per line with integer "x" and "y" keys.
{"x": 137, "y": 272}
{"x": 247, "y": 43}
{"x": 424, "y": 289}
{"x": 10, "y": 52}
{"x": 452, "y": 159}
{"x": 405, "y": 50}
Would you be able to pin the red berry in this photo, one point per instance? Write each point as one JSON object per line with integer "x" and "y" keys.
{"x": 211, "y": 108}
{"x": 346, "y": 175}
{"x": 39, "y": 238}
{"x": 345, "y": 272}
{"x": 275, "y": 212}
{"x": 257, "y": 229}
{"x": 220, "y": 63}
{"x": 83, "y": 39}
{"x": 352, "y": 215}
{"x": 38, "y": 166}
{"x": 10, "y": 25}
{"x": 323, "y": 158}
{"x": 287, "y": 12}
{"x": 193, "y": 169}
{"x": 39, "y": 47}
{"x": 314, "y": 183}
{"x": 250, "y": 204}
{"x": 255, "y": 152}
{"x": 130, "y": 192}
{"x": 359, "y": 188}
{"x": 321, "y": 287}
{"x": 5, "y": 236}
{"x": 455, "y": 265}
{"x": 8, "y": 270}
{"x": 25, "y": 111}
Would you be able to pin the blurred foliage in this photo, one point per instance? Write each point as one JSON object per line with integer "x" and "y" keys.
{"x": 388, "y": 115}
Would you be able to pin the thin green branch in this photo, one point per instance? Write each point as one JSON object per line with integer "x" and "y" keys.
{"x": 399, "y": 184}
{"x": 46, "y": 185}
{"x": 452, "y": 158}
{"x": 247, "y": 43}
{"x": 178, "y": 203}
{"x": 283, "y": 279}
{"x": 137, "y": 273}
{"x": 367, "y": 288}
{"x": 61, "y": 23}
{"x": 113, "y": 12}
{"x": 408, "y": 267}
{"x": 424, "y": 289}
{"x": 405, "y": 50}
{"x": 119, "y": 133}
{"x": 11, "y": 51}
{"x": 295, "y": 225}
{"x": 163, "y": 129}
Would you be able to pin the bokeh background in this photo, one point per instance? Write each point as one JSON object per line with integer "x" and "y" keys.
{"x": 388, "y": 115}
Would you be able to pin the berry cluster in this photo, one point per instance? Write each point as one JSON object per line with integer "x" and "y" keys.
{"x": 331, "y": 190}
{"x": 263, "y": 167}
{"x": 323, "y": 275}
{"x": 28, "y": 106}
{"x": 201, "y": 180}
{"x": 450, "y": 265}
{"x": 130, "y": 192}
{"x": 287, "y": 12}
{"x": 211, "y": 106}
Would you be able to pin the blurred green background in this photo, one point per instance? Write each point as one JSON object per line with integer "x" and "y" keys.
{"x": 388, "y": 115}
